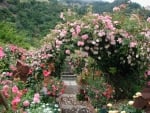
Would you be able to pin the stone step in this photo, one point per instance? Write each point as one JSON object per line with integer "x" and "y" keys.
{"x": 67, "y": 73}
{"x": 70, "y": 82}
{"x": 69, "y": 104}
{"x": 71, "y": 87}
{"x": 68, "y": 77}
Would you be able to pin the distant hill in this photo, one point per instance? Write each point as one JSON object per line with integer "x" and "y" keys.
{"x": 36, "y": 17}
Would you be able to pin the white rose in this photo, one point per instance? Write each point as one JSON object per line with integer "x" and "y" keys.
{"x": 109, "y": 105}
{"x": 131, "y": 102}
{"x": 135, "y": 96}
{"x": 138, "y": 94}
{"x": 113, "y": 111}
{"x": 123, "y": 112}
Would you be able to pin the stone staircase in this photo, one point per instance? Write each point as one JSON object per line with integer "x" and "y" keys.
{"x": 68, "y": 76}
{"x": 69, "y": 80}
{"x": 68, "y": 101}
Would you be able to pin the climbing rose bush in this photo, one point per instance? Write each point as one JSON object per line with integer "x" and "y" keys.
{"x": 119, "y": 44}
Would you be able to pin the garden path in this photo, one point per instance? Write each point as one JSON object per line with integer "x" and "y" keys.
{"x": 68, "y": 102}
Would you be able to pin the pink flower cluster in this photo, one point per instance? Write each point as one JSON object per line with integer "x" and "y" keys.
{"x": 36, "y": 98}
{"x": 85, "y": 37}
{"x": 17, "y": 97}
{"x": 63, "y": 33}
{"x": 148, "y": 19}
{"x": 116, "y": 9}
{"x": 2, "y": 54}
{"x": 80, "y": 43}
{"x": 67, "y": 52}
{"x": 133, "y": 44}
{"x": 5, "y": 91}
{"x": 26, "y": 103}
{"x": 58, "y": 43}
{"x": 46, "y": 73}
{"x": 15, "y": 102}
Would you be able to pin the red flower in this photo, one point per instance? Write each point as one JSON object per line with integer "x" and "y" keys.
{"x": 46, "y": 73}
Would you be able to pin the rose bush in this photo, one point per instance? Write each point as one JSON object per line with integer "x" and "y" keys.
{"x": 39, "y": 87}
{"x": 119, "y": 43}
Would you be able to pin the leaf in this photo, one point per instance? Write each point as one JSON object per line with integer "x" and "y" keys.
{"x": 112, "y": 70}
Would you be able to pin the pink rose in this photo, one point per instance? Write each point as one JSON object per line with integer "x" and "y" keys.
{"x": 101, "y": 33}
{"x": 36, "y": 98}
{"x": 67, "y": 52}
{"x": 84, "y": 37}
{"x": 15, "y": 89}
{"x": 63, "y": 33}
{"x": 148, "y": 19}
{"x": 26, "y": 103}
{"x": 5, "y": 90}
{"x": 58, "y": 42}
{"x": 46, "y": 73}
{"x": 2, "y": 54}
{"x": 78, "y": 29}
{"x": 74, "y": 34}
{"x": 133, "y": 44}
{"x": 37, "y": 95}
{"x": 148, "y": 72}
{"x": 116, "y": 9}
{"x": 80, "y": 43}
{"x": 15, "y": 101}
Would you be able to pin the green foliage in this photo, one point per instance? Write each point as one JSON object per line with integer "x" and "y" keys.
{"x": 35, "y": 18}
{"x": 9, "y": 35}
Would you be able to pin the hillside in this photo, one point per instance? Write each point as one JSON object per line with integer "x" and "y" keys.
{"x": 35, "y": 18}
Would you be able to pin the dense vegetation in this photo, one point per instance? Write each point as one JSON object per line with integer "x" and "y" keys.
{"x": 35, "y": 19}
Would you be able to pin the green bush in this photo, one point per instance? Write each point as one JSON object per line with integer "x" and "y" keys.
{"x": 9, "y": 35}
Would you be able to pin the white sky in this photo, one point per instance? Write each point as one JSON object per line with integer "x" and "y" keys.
{"x": 141, "y": 2}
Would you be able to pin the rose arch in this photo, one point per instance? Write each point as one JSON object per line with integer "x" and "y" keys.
{"x": 118, "y": 44}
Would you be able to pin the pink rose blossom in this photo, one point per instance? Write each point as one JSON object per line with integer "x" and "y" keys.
{"x": 116, "y": 9}
{"x": 84, "y": 37}
{"x": 15, "y": 89}
{"x": 2, "y": 54}
{"x": 63, "y": 33}
{"x": 36, "y": 98}
{"x": 148, "y": 72}
{"x": 80, "y": 43}
{"x": 67, "y": 52}
{"x": 26, "y": 103}
{"x": 133, "y": 44}
{"x": 13, "y": 48}
{"x": 37, "y": 95}
{"x": 54, "y": 87}
{"x": 9, "y": 74}
{"x": 78, "y": 29}
{"x": 19, "y": 94}
{"x": 15, "y": 102}
{"x": 46, "y": 73}
{"x": 74, "y": 34}
{"x": 101, "y": 33}
{"x": 148, "y": 19}
{"x": 119, "y": 40}
{"x": 5, "y": 90}
{"x": 58, "y": 42}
